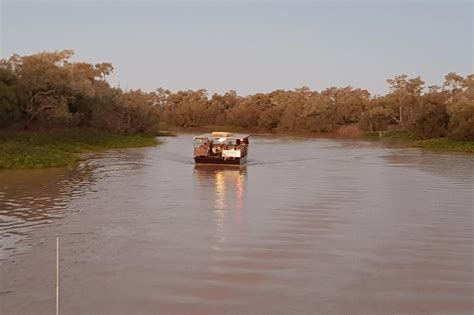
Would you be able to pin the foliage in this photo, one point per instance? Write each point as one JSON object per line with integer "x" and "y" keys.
{"x": 462, "y": 119}
{"x": 430, "y": 119}
{"x": 9, "y": 110}
{"x": 49, "y": 89}
{"x": 409, "y": 106}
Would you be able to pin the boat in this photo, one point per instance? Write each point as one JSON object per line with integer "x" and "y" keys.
{"x": 221, "y": 148}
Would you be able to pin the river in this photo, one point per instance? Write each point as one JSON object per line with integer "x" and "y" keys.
{"x": 309, "y": 226}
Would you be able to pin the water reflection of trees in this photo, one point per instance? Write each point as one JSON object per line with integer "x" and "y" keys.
{"x": 30, "y": 199}
{"x": 36, "y": 195}
{"x": 39, "y": 194}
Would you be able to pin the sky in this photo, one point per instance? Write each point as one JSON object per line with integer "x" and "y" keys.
{"x": 249, "y": 47}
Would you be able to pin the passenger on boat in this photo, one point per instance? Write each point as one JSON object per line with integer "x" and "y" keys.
{"x": 205, "y": 146}
{"x": 216, "y": 149}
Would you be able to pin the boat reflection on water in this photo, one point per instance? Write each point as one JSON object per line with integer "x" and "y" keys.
{"x": 228, "y": 183}
{"x": 225, "y": 184}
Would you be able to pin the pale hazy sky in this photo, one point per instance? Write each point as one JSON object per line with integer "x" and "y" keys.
{"x": 253, "y": 46}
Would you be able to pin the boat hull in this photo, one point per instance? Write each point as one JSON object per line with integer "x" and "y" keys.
{"x": 213, "y": 160}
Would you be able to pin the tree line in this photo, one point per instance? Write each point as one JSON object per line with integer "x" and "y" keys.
{"x": 48, "y": 89}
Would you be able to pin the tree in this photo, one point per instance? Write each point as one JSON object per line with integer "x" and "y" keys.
{"x": 461, "y": 124}
{"x": 453, "y": 82}
{"x": 320, "y": 112}
{"x": 431, "y": 118}
{"x": 349, "y": 103}
{"x": 189, "y": 108}
{"x": 48, "y": 80}
{"x": 137, "y": 112}
{"x": 247, "y": 112}
{"x": 292, "y": 117}
{"x": 377, "y": 115}
{"x": 461, "y": 110}
{"x": 9, "y": 110}
{"x": 405, "y": 94}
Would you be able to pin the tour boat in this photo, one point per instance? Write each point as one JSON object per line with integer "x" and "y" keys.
{"x": 221, "y": 148}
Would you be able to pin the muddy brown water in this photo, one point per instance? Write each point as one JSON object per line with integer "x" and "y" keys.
{"x": 309, "y": 226}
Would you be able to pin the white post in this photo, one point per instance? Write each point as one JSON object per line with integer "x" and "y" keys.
{"x": 57, "y": 275}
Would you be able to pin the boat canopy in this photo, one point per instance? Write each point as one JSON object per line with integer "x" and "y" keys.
{"x": 221, "y": 135}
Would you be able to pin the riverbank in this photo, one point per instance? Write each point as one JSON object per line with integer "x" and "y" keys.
{"x": 59, "y": 148}
{"x": 352, "y": 131}
{"x": 444, "y": 144}
{"x": 438, "y": 144}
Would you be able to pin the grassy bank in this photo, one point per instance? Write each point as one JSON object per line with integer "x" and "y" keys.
{"x": 61, "y": 147}
{"x": 440, "y": 144}
{"x": 444, "y": 144}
